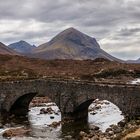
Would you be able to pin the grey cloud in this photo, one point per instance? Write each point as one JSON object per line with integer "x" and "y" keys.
{"x": 126, "y": 32}
{"x": 113, "y": 20}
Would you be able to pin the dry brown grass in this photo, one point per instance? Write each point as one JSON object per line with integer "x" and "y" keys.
{"x": 133, "y": 136}
{"x": 19, "y": 67}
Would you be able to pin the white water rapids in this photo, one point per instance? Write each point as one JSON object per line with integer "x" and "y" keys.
{"x": 105, "y": 116}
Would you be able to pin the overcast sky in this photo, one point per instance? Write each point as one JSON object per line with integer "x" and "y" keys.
{"x": 114, "y": 23}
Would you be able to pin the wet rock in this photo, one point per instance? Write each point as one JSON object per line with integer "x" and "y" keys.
{"x": 122, "y": 123}
{"x": 55, "y": 124}
{"x": 52, "y": 104}
{"x": 107, "y": 103}
{"x": 49, "y": 110}
{"x": 42, "y": 111}
{"x": 7, "y": 125}
{"x": 111, "y": 133}
{"x": 46, "y": 111}
{"x": 95, "y": 138}
{"x": 1, "y": 126}
{"x": 91, "y": 109}
{"x": 137, "y": 122}
{"x": 95, "y": 128}
{"x": 56, "y": 113}
{"x": 108, "y": 129}
{"x": 12, "y": 116}
{"x": 69, "y": 137}
{"x": 93, "y": 113}
{"x": 85, "y": 138}
{"x": 116, "y": 129}
{"x": 51, "y": 117}
{"x": 97, "y": 107}
{"x": 13, "y": 124}
{"x": 129, "y": 125}
{"x": 82, "y": 134}
{"x": 16, "y": 132}
{"x": 113, "y": 126}
{"x": 97, "y": 101}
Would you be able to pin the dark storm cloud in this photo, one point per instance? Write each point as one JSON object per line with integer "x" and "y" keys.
{"x": 37, "y": 21}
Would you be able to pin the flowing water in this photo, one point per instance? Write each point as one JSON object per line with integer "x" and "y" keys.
{"x": 103, "y": 117}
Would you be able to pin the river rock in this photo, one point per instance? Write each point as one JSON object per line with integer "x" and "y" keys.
{"x": 108, "y": 129}
{"x": 98, "y": 107}
{"x": 122, "y": 123}
{"x": 15, "y": 132}
{"x": 116, "y": 128}
{"x": 95, "y": 128}
{"x": 93, "y": 113}
{"x": 138, "y": 122}
{"x": 95, "y": 138}
{"x": 1, "y": 126}
{"x": 69, "y": 137}
{"x": 107, "y": 103}
{"x": 51, "y": 117}
{"x": 82, "y": 134}
{"x": 56, "y": 113}
{"x": 49, "y": 110}
{"x": 111, "y": 133}
{"x": 54, "y": 124}
{"x": 42, "y": 111}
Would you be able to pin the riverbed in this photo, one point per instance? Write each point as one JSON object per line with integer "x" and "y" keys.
{"x": 101, "y": 114}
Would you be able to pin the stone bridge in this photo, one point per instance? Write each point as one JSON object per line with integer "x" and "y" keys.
{"x": 72, "y": 97}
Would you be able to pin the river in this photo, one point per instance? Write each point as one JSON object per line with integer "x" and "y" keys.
{"x": 105, "y": 114}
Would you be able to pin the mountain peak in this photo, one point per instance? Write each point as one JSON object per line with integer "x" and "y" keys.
{"x": 22, "y": 46}
{"x": 1, "y": 44}
{"x": 71, "y": 29}
{"x": 74, "y": 36}
{"x": 71, "y": 44}
{"x": 21, "y": 41}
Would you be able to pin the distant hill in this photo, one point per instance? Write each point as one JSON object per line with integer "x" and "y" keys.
{"x": 71, "y": 44}
{"x": 5, "y": 50}
{"x": 134, "y": 61}
{"x": 22, "y": 47}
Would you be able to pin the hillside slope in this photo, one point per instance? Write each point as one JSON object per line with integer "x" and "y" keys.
{"x": 6, "y": 50}
{"x": 71, "y": 44}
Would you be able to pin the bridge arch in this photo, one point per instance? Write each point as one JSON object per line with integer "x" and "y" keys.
{"x": 21, "y": 106}
{"x": 71, "y": 96}
{"x": 81, "y": 111}
{"x": 18, "y": 104}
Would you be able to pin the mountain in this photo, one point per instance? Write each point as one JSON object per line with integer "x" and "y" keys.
{"x": 71, "y": 44}
{"x": 138, "y": 60}
{"x": 6, "y": 50}
{"x": 22, "y": 47}
{"x": 134, "y": 61}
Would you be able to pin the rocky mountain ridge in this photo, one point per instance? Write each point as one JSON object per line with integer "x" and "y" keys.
{"x": 6, "y": 50}
{"x": 22, "y": 47}
{"x": 71, "y": 44}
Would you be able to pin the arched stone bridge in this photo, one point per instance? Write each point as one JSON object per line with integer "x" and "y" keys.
{"x": 72, "y": 97}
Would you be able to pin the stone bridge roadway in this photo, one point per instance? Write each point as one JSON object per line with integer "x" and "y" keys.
{"x": 72, "y": 97}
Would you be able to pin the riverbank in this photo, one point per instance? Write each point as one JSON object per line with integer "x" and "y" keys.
{"x": 122, "y": 131}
